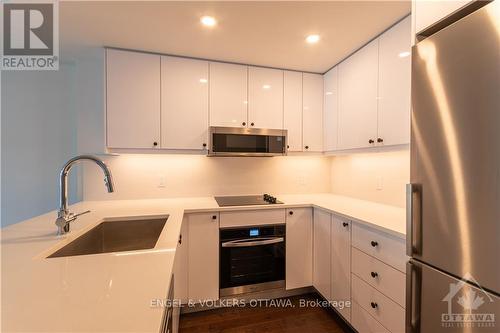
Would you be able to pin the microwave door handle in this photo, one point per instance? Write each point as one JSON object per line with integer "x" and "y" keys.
{"x": 253, "y": 242}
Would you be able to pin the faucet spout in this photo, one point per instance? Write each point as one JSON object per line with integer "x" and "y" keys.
{"x": 64, "y": 217}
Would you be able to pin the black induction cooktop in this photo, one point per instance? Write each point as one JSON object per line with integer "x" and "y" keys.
{"x": 247, "y": 200}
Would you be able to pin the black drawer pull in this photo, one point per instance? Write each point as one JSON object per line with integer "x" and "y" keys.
{"x": 345, "y": 224}
{"x": 374, "y": 274}
{"x": 374, "y": 305}
{"x": 374, "y": 243}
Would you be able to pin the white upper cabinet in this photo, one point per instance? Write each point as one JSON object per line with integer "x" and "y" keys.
{"x": 265, "y": 98}
{"x": 330, "y": 109}
{"x": 292, "y": 108}
{"x": 312, "y": 106}
{"x": 184, "y": 103}
{"x": 394, "y": 85}
{"x": 132, "y": 99}
{"x": 429, "y": 12}
{"x": 228, "y": 95}
{"x": 358, "y": 77}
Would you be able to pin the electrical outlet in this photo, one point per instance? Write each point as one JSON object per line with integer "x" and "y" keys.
{"x": 161, "y": 181}
{"x": 301, "y": 180}
{"x": 380, "y": 183}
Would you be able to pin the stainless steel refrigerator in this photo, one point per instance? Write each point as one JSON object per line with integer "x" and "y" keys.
{"x": 453, "y": 201}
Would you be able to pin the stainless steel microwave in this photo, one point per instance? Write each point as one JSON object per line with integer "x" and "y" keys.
{"x": 235, "y": 141}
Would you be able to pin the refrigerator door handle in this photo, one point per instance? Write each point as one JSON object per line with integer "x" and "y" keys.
{"x": 413, "y": 296}
{"x": 413, "y": 219}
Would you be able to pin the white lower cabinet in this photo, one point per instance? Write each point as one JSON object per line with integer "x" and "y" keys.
{"x": 203, "y": 256}
{"x": 383, "y": 309}
{"x": 321, "y": 252}
{"x": 299, "y": 240}
{"x": 341, "y": 265}
{"x": 363, "y": 322}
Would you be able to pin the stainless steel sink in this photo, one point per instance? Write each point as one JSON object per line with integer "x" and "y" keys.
{"x": 115, "y": 236}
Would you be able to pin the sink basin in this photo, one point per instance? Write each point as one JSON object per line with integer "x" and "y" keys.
{"x": 115, "y": 236}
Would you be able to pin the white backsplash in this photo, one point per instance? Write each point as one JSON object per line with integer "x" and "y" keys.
{"x": 139, "y": 176}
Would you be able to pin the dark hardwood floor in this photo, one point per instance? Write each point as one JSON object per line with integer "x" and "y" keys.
{"x": 289, "y": 319}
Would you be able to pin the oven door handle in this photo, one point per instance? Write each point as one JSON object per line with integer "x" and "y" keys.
{"x": 253, "y": 242}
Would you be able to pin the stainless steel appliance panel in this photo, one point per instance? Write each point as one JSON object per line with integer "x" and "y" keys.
{"x": 438, "y": 302}
{"x": 454, "y": 220}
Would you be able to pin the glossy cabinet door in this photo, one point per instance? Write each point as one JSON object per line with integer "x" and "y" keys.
{"x": 341, "y": 264}
{"x": 299, "y": 246}
{"x": 181, "y": 263}
{"x": 184, "y": 103}
{"x": 429, "y": 12}
{"x": 132, "y": 99}
{"x": 358, "y": 76}
{"x": 265, "y": 98}
{"x": 330, "y": 109}
{"x": 292, "y": 109}
{"x": 312, "y": 106}
{"x": 203, "y": 254}
{"x": 321, "y": 252}
{"x": 394, "y": 85}
{"x": 228, "y": 94}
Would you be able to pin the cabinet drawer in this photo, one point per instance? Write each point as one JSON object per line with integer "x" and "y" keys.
{"x": 251, "y": 217}
{"x": 363, "y": 322}
{"x": 384, "y": 278}
{"x": 382, "y": 308}
{"x": 389, "y": 249}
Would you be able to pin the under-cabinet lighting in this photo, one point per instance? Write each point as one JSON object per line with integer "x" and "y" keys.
{"x": 404, "y": 54}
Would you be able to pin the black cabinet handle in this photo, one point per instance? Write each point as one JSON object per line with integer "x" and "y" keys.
{"x": 243, "y": 123}
{"x": 374, "y": 243}
{"x": 287, "y": 146}
{"x": 180, "y": 239}
{"x": 204, "y": 145}
{"x": 307, "y": 147}
{"x": 345, "y": 224}
{"x": 374, "y": 274}
{"x": 252, "y": 124}
{"x": 379, "y": 140}
{"x": 214, "y": 217}
{"x": 290, "y": 212}
{"x": 371, "y": 141}
{"x": 155, "y": 143}
{"x": 374, "y": 305}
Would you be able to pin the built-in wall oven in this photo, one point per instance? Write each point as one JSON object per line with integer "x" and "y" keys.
{"x": 252, "y": 259}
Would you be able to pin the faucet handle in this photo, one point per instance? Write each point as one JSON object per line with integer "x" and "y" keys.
{"x": 74, "y": 216}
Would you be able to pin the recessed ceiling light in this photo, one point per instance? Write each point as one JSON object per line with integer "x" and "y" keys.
{"x": 328, "y": 93}
{"x": 312, "y": 39}
{"x": 203, "y": 80}
{"x": 208, "y": 21}
{"x": 404, "y": 54}
{"x": 266, "y": 86}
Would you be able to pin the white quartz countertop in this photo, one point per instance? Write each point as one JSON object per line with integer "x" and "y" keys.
{"x": 113, "y": 292}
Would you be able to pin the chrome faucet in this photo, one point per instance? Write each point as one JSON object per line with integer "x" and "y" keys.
{"x": 64, "y": 216}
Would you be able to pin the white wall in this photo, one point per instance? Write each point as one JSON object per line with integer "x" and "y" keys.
{"x": 379, "y": 177}
{"x": 38, "y": 136}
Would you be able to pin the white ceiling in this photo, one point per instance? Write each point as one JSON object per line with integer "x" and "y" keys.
{"x": 260, "y": 33}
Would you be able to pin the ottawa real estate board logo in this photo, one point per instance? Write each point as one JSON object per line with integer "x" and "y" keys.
{"x": 30, "y": 35}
